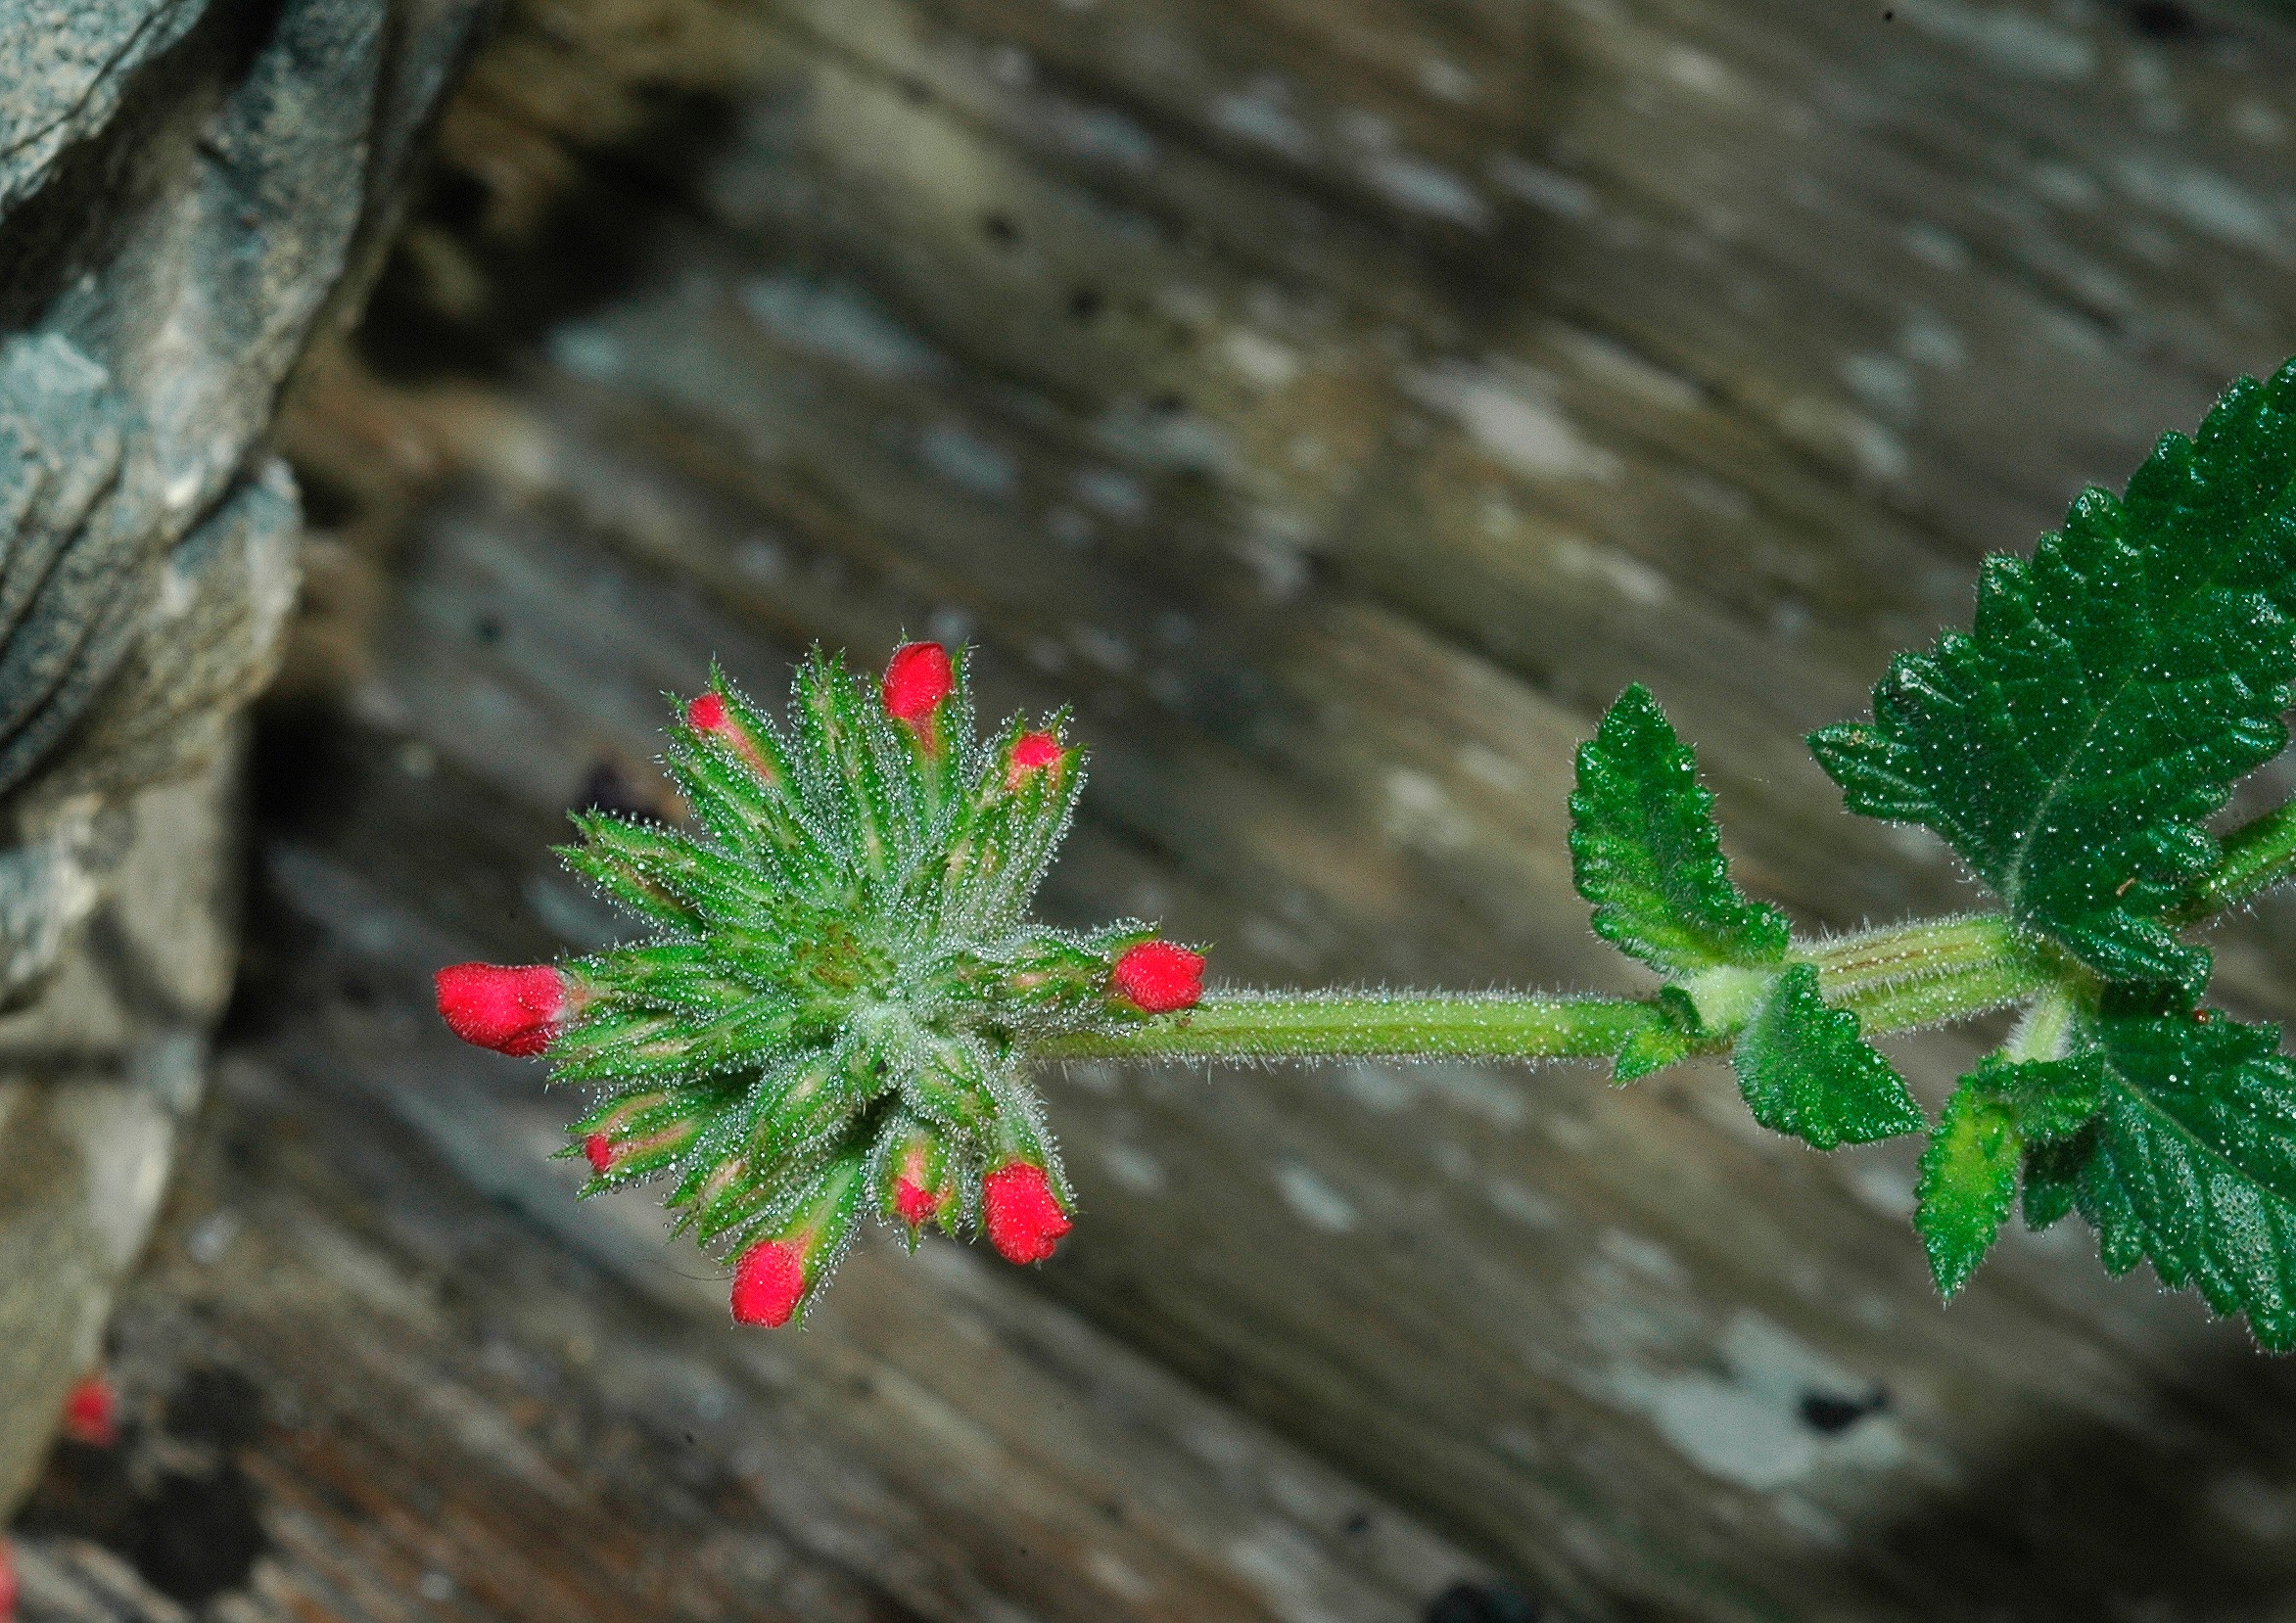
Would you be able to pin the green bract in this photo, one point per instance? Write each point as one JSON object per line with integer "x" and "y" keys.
{"x": 832, "y": 1010}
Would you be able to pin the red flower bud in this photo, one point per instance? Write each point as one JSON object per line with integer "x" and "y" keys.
{"x": 1024, "y": 1216}
{"x": 769, "y": 1281}
{"x": 706, "y": 713}
{"x": 918, "y": 677}
{"x": 1158, "y": 977}
{"x": 1032, "y": 752}
{"x": 916, "y": 1204}
{"x": 512, "y": 1010}
{"x": 91, "y": 1414}
{"x": 599, "y": 1149}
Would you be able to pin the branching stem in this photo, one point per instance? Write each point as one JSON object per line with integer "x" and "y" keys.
{"x": 1895, "y": 978}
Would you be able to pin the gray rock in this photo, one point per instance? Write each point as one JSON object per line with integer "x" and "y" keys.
{"x": 188, "y": 190}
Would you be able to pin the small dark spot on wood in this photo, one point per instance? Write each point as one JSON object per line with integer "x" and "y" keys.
{"x": 2163, "y": 19}
{"x": 1167, "y": 405}
{"x": 1001, "y": 230}
{"x": 488, "y": 628}
{"x": 1493, "y": 1602}
{"x": 1358, "y": 1522}
{"x": 916, "y": 92}
{"x": 1889, "y": 17}
{"x": 199, "y": 1535}
{"x": 1113, "y": 1512}
{"x": 1085, "y": 303}
{"x": 1831, "y": 1414}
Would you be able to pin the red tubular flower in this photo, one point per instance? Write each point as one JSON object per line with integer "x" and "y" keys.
{"x": 598, "y": 1149}
{"x": 706, "y": 713}
{"x": 916, "y": 1204}
{"x": 918, "y": 677}
{"x": 511, "y": 1010}
{"x": 1024, "y": 1218}
{"x": 91, "y": 1414}
{"x": 1158, "y": 977}
{"x": 769, "y": 1281}
{"x": 1032, "y": 752}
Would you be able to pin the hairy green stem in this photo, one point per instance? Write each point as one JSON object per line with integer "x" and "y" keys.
{"x": 1266, "y": 1025}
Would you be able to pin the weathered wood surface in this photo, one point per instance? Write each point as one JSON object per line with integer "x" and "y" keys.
{"x": 1338, "y": 404}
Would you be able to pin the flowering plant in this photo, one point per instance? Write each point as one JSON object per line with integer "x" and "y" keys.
{"x": 843, "y": 994}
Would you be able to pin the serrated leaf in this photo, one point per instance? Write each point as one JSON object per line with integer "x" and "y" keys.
{"x": 1804, "y": 1070}
{"x": 1643, "y": 849}
{"x": 2111, "y": 691}
{"x": 2192, "y": 1164}
{"x": 1968, "y": 1181}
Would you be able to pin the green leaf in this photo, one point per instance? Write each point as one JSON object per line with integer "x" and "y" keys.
{"x": 2111, "y": 691}
{"x": 1653, "y": 1048}
{"x": 1804, "y": 1070}
{"x": 1968, "y": 1182}
{"x": 1969, "y": 1172}
{"x": 1643, "y": 849}
{"x": 2192, "y": 1164}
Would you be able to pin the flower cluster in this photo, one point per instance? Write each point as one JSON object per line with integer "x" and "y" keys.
{"x": 834, "y": 1012}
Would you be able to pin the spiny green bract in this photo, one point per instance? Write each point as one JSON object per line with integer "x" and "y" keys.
{"x": 832, "y": 1012}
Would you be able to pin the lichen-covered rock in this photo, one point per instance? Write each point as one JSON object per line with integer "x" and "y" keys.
{"x": 189, "y": 190}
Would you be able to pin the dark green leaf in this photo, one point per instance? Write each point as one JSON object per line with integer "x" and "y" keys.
{"x": 1804, "y": 1070}
{"x": 2111, "y": 691}
{"x": 1643, "y": 849}
{"x": 2192, "y": 1164}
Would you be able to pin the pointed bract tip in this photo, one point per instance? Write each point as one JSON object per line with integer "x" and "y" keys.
{"x": 513, "y": 1011}
{"x": 1023, "y": 1215}
{"x": 598, "y": 1149}
{"x": 706, "y": 713}
{"x": 918, "y": 677}
{"x": 91, "y": 1412}
{"x": 1158, "y": 977}
{"x": 769, "y": 1281}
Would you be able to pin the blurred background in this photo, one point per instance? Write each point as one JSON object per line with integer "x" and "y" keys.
{"x": 1336, "y": 402}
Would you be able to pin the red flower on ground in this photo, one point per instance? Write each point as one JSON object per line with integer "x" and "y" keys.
{"x": 918, "y": 677}
{"x": 511, "y": 1010}
{"x": 1159, "y": 977}
{"x": 769, "y": 1281}
{"x": 7, "y": 1583}
{"x": 1024, "y": 1218}
{"x": 91, "y": 1412}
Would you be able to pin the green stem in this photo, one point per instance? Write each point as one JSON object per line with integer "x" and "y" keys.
{"x": 2258, "y": 854}
{"x": 1269, "y": 1025}
{"x": 1893, "y": 979}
